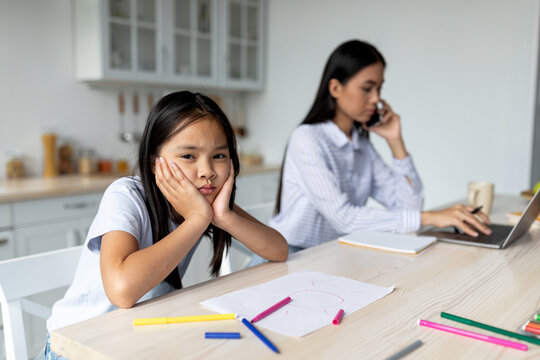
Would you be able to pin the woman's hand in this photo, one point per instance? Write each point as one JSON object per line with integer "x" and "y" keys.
{"x": 180, "y": 192}
{"x": 220, "y": 205}
{"x": 390, "y": 127}
{"x": 390, "y": 130}
{"x": 460, "y": 216}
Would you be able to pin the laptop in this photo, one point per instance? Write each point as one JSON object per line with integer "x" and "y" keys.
{"x": 501, "y": 235}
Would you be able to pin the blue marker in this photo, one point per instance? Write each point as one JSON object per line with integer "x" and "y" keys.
{"x": 260, "y": 336}
{"x": 222, "y": 335}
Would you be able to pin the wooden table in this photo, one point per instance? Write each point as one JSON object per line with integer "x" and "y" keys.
{"x": 498, "y": 287}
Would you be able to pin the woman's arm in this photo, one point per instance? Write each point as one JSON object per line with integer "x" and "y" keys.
{"x": 400, "y": 187}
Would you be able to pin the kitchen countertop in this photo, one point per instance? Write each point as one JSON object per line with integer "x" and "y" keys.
{"x": 33, "y": 188}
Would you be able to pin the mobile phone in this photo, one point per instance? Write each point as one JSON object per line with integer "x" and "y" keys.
{"x": 376, "y": 118}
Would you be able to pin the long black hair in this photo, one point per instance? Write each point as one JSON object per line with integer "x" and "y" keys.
{"x": 172, "y": 114}
{"x": 344, "y": 62}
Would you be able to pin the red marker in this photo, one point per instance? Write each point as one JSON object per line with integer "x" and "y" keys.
{"x": 271, "y": 309}
{"x": 338, "y": 317}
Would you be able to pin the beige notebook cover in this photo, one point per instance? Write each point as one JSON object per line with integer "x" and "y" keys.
{"x": 408, "y": 244}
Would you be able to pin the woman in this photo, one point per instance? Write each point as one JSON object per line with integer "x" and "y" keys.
{"x": 331, "y": 168}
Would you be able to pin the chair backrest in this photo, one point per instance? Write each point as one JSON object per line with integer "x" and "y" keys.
{"x": 29, "y": 275}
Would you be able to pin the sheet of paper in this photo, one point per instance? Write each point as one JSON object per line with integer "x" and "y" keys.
{"x": 316, "y": 299}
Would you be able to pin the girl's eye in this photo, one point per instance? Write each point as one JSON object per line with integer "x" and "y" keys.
{"x": 366, "y": 89}
{"x": 187, "y": 156}
{"x": 220, "y": 156}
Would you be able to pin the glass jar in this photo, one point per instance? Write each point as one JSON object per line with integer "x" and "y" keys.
{"x": 14, "y": 164}
{"x": 86, "y": 162}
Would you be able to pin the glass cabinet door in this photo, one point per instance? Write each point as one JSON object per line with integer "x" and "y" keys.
{"x": 194, "y": 43}
{"x": 243, "y": 44}
{"x": 132, "y": 35}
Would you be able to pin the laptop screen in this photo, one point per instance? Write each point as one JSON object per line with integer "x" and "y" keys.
{"x": 525, "y": 221}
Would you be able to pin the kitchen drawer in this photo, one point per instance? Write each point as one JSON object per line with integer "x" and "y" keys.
{"x": 7, "y": 245}
{"x": 5, "y": 216}
{"x": 257, "y": 188}
{"x": 27, "y": 212}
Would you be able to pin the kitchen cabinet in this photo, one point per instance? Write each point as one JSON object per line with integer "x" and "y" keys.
{"x": 173, "y": 43}
{"x": 55, "y": 223}
{"x": 7, "y": 247}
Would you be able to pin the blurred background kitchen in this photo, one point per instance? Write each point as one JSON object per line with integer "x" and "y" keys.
{"x": 77, "y": 79}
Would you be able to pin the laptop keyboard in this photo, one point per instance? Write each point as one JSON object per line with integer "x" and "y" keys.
{"x": 498, "y": 234}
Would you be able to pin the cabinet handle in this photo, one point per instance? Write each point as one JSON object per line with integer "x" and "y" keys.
{"x": 3, "y": 241}
{"x": 77, "y": 205}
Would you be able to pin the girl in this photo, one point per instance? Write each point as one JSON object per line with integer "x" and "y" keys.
{"x": 330, "y": 167}
{"x": 148, "y": 226}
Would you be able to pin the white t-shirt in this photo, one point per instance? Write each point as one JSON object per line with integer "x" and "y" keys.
{"x": 122, "y": 208}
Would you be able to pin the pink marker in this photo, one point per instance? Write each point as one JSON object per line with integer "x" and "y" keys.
{"x": 338, "y": 317}
{"x": 271, "y": 309}
{"x": 490, "y": 339}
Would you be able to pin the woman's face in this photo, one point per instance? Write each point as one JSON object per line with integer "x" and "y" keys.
{"x": 358, "y": 98}
{"x": 202, "y": 153}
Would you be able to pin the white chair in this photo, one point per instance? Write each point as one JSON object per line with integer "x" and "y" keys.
{"x": 26, "y": 276}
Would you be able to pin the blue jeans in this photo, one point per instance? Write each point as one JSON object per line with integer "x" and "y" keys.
{"x": 256, "y": 259}
{"x": 51, "y": 355}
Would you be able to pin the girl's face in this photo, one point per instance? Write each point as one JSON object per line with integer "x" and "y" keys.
{"x": 202, "y": 153}
{"x": 358, "y": 98}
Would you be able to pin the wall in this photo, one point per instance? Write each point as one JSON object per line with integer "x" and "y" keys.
{"x": 462, "y": 75}
{"x": 38, "y": 92}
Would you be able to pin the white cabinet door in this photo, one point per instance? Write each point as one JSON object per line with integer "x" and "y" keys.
{"x": 46, "y": 237}
{"x": 131, "y": 34}
{"x": 7, "y": 245}
{"x": 83, "y": 227}
{"x": 118, "y": 40}
{"x": 191, "y": 42}
{"x": 242, "y": 42}
{"x": 5, "y": 216}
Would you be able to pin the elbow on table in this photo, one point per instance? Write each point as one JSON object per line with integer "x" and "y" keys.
{"x": 280, "y": 254}
{"x": 283, "y": 255}
{"x": 120, "y": 296}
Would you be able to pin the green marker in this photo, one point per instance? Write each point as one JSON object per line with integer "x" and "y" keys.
{"x": 537, "y": 317}
{"x": 530, "y": 339}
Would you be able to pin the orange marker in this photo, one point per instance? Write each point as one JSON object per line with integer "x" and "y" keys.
{"x": 533, "y": 324}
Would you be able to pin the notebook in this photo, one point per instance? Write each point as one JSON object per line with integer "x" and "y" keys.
{"x": 408, "y": 244}
{"x": 501, "y": 235}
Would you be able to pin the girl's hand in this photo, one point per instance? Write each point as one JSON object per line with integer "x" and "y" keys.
{"x": 220, "y": 205}
{"x": 390, "y": 127}
{"x": 460, "y": 216}
{"x": 180, "y": 192}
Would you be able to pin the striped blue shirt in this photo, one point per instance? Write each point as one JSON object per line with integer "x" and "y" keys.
{"x": 327, "y": 180}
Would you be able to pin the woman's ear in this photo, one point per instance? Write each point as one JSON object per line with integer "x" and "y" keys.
{"x": 334, "y": 87}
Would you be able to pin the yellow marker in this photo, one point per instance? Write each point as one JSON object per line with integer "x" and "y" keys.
{"x": 182, "y": 319}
